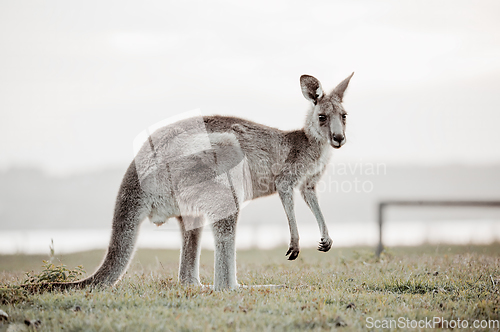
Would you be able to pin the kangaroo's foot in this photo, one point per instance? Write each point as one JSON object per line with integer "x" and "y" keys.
{"x": 293, "y": 250}
{"x": 262, "y": 286}
{"x": 191, "y": 282}
{"x": 325, "y": 244}
{"x": 244, "y": 287}
{"x": 212, "y": 287}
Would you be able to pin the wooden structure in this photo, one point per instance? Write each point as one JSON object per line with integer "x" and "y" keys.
{"x": 384, "y": 204}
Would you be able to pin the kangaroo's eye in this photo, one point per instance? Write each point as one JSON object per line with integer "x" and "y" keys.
{"x": 322, "y": 118}
{"x": 344, "y": 116}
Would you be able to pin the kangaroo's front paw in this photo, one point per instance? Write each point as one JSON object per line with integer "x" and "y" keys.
{"x": 325, "y": 244}
{"x": 293, "y": 251}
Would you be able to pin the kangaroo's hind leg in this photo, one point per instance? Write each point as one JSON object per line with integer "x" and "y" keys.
{"x": 218, "y": 200}
{"x": 225, "y": 253}
{"x": 189, "y": 267}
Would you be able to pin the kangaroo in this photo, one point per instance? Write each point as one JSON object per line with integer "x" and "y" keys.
{"x": 201, "y": 170}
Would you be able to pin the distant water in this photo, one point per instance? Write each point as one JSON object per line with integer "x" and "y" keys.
{"x": 261, "y": 236}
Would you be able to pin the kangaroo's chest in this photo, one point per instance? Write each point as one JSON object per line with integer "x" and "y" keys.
{"x": 316, "y": 166}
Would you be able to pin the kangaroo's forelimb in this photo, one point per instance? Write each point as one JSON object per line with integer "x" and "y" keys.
{"x": 309, "y": 195}
{"x": 284, "y": 185}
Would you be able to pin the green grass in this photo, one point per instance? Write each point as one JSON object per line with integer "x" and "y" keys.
{"x": 324, "y": 291}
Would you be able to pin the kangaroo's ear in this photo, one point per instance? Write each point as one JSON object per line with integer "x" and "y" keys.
{"x": 311, "y": 88}
{"x": 340, "y": 89}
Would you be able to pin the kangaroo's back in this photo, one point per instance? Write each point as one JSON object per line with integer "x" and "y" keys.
{"x": 265, "y": 148}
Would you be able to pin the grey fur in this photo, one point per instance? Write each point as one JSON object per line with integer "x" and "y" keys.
{"x": 189, "y": 273}
{"x": 201, "y": 170}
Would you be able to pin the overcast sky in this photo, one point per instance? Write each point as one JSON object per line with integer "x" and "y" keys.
{"x": 79, "y": 80}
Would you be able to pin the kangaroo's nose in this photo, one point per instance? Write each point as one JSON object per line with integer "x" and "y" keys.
{"x": 338, "y": 138}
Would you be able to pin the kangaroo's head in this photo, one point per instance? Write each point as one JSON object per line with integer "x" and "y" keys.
{"x": 327, "y": 118}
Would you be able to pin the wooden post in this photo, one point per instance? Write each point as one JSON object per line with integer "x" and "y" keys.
{"x": 380, "y": 220}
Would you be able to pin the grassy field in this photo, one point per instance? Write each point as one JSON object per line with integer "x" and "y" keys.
{"x": 347, "y": 289}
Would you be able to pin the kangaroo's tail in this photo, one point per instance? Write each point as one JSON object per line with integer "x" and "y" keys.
{"x": 128, "y": 214}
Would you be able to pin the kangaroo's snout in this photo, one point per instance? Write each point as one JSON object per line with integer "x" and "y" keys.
{"x": 338, "y": 140}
